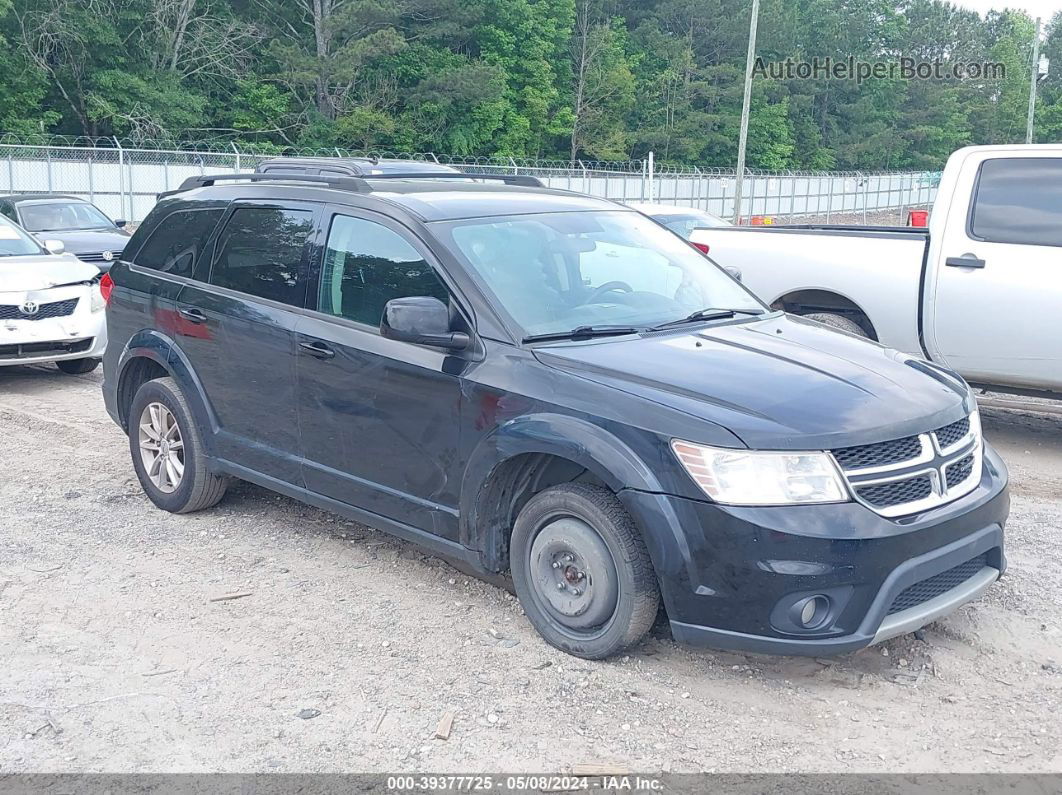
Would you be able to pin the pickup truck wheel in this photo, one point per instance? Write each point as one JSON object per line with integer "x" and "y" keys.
{"x": 77, "y": 366}
{"x": 582, "y": 571}
{"x": 839, "y": 322}
{"x": 167, "y": 450}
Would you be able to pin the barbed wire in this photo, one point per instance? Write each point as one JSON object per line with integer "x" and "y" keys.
{"x": 63, "y": 146}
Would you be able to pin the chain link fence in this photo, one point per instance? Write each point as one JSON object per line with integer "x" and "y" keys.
{"x": 124, "y": 180}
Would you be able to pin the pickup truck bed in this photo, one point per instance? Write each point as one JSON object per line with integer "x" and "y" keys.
{"x": 980, "y": 291}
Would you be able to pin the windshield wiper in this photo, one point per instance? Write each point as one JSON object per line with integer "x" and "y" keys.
{"x": 585, "y": 332}
{"x": 711, "y": 313}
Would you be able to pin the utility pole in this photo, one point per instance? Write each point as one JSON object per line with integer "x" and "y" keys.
{"x": 1034, "y": 78}
{"x": 743, "y": 139}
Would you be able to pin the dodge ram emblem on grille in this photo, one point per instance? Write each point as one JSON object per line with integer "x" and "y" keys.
{"x": 29, "y": 308}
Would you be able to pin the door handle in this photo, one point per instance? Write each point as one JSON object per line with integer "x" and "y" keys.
{"x": 192, "y": 315}
{"x": 318, "y": 350}
{"x": 965, "y": 261}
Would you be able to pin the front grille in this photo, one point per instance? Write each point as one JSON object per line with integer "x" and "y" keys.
{"x": 96, "y": 257}
{"x": 898, "y": 492}
{"x": 31, "y": 350}
{"x": 44, "y": 311}
{"x": 950, "y": 434}
{"x": 958, "y": 472}
{"x": 881, "y": 454}
{"x": 934, "y": 586}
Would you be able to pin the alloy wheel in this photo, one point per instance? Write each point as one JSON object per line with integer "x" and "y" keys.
{"x": 161, "y": 447}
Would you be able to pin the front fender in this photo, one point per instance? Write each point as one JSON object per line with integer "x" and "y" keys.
{"x": 584, "y": 443}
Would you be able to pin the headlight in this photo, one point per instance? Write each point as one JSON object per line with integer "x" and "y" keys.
{"x": 975, "y": 423}
{"x": 96, "y": 302}
{"x": 749, "y": 477}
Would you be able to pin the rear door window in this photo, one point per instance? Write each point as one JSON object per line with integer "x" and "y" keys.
{"x": 1019, "y": 200}
{"x": 366, "y": 265}
{"x": 177, "y": 242}
{"x": 261, "y": 251}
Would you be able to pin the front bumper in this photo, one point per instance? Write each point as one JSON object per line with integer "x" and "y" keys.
{"x": 730, "y": 577}
{"x": 79, "y": 335}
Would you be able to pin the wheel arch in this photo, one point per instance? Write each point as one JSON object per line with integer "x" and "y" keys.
{"x": 810, "y": 300}
{"x": 524, "y": 457}
{"x": 148, "y": 355}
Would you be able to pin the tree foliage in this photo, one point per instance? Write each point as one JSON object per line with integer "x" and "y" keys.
{"x": 579, "y": 79}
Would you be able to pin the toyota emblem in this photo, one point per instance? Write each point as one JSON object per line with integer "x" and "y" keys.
{"x": 29, "y": 308}
{"x": 108, "y": 256}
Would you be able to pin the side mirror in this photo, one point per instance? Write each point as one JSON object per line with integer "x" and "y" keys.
{"x": 55, "y": 246}
{"x": 120, "y": 223}
{"x": 735, "y": 272}
{"x": 422, "y": 320}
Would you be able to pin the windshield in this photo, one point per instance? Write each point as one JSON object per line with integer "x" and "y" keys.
{"x": 16, "y": 243}
{"x": 61, "y": 216}
{"x": 553, "y": 272}
{"x": 683, "y": 224}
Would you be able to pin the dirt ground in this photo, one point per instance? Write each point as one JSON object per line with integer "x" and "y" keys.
{"x": 350, "y": 646}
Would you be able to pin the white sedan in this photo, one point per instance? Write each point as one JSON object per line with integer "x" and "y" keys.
{"x": 51, "y": 307}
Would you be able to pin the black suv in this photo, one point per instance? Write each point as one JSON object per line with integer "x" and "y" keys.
{"x": 538, "y": 382}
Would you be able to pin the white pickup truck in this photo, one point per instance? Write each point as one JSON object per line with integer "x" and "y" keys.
{"x": 980, "y": 291}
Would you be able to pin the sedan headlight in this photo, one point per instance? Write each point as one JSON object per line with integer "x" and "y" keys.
{"x": 750, "y": 477}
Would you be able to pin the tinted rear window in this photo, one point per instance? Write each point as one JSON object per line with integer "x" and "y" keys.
{"x": 177, "y": 242}
{"x": 1019, "y": 200}
{"x": 261, "y": 252}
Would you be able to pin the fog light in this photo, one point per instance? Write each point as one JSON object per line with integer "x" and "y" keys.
{"x": 813, "y": 611}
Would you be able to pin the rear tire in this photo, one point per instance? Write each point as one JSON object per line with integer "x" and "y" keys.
{"x": 839, "y": 322}
{"x": 167, "y": 450}
{"x": 582, "y": 572}
{"x": 77, "y": 366}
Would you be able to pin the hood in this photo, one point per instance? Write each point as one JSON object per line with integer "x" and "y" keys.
{"x": 777, "y": 383}
{"x": 88, "y": 241}
{"x": 42, "y": 271}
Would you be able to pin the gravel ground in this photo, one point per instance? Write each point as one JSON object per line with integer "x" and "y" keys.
{"x": 350, "y": 646}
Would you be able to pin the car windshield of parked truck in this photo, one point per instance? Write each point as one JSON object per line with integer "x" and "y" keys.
{"x": 16, "y": 243}
{"x": 554, "y": 272}
{"x": 62, "y": 216}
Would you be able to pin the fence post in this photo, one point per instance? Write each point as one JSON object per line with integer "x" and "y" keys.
{"x": 121, "y": 176}
{"x": 92, "y": 181}
{"x": 237, "y": 151}
{"x": 10, "y": 171}
{"x": 829, "y": 199}
{"x": 516, "y": 169}
{"x": 48, "y": 155}
{"x": 866, "y": 187}
{"x": 651, "y": 169}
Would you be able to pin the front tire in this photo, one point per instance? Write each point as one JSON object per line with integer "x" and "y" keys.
{"x": 77, "y": 366}
{"x": 582, "y": 572}
{"x": 167, "y": 450}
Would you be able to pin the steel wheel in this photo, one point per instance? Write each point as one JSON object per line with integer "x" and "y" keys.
{"x": 161, "y": 447}
{"x": 574, "y": 575}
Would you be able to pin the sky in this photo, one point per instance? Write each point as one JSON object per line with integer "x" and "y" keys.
{"x": 1034, "y": 8}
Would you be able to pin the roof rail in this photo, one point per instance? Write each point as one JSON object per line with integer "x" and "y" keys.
{"x": 356, "y": 184}
{"x": 508, "y": 179}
